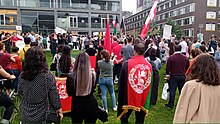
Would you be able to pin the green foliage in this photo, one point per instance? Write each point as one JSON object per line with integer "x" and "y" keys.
{"x": 176, "y": 29}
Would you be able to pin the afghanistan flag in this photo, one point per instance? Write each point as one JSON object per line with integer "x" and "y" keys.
{"x": 134, "y": 86}
{"x": 115, "y": 25}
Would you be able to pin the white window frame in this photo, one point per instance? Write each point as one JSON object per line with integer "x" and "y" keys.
{"x": 3, "y": 19}
{"x": 74, "y": 26}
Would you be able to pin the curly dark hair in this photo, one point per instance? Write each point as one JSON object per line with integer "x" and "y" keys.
{"x": 105, "y": 54}
{"x": 205, "y": 70}
{"x": 34, "y": 63}
{"x": 65, "y": 60}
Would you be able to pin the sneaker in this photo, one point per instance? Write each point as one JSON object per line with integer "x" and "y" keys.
{"x": 167, "y": 106}
{"x": 115, "y": 108}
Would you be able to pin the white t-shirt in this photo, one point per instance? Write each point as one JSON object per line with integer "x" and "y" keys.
{"x": 183, "y": 45}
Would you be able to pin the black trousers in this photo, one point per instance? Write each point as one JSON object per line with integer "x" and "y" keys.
{"x": 116, "y": 71}
{"x": 86, "y": 111}
{"x": 140, "y": 116}
{"x": 174, "y": 83}
{"x": 8, "y": 104}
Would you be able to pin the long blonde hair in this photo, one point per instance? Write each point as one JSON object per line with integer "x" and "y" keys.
{"x": 84, "y": 76}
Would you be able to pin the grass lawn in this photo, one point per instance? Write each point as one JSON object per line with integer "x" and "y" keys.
{"x": 157, "y": 113}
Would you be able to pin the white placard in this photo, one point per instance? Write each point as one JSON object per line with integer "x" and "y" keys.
{"x": 210, "y": 15}
{"x": 167, "y": 31}
{"x": 18, "y": 28}
{"x": 60, "y": 30}
{"x": 20, "y": 44}
{"x": 95, "y": 33}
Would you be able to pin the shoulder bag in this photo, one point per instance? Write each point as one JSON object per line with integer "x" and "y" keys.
{"x": 51, "y": 117}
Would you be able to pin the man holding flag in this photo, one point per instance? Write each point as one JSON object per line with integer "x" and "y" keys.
{"x": 134, "y": 86}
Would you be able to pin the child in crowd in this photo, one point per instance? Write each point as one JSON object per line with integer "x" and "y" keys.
{"x": 16, "y": 66}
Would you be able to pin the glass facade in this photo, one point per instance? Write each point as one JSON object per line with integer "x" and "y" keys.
{"x": 37, "y": 21}
{"x": 42, "y": 16}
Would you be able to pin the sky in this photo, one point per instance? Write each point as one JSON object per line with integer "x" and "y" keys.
{"x": 128, "y": 5}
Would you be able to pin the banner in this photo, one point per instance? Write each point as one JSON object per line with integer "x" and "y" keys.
{"x": 167, "y": 31}
{"x": 66, "y": 101}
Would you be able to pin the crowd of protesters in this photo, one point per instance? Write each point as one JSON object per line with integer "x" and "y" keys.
{"x": 133, "y": 64}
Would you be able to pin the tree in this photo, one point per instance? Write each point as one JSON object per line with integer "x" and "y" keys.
{"x": 176, "y": 29}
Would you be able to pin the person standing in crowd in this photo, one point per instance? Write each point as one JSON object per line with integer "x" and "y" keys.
{"x": 127, "y": 51}
{"x": 177, "y": 64}
{"x": 57, "y": 56}
{"x": 200, "y": 97}
{"x": 86, "y": 42}
{"x": 136, "y": 72}
{"x": 38, "y": 88}
{"x": 156, "y": 66}
{"x": 2, "y": 35}
{"x": 32, "y": 37}
{"x": 213, "y": 44}
{"x": 118, "y": 60}
{"x": 194, "y": 53}
{"x": 114, "y": 43}
{"x": 6, "y": 40}
{"x": 106, "y": 79}
{"x": 65, "y": 63}
{"x": 183, "y": 45}
{"x": 27, "y": 42}
{"x": 45, "y": 41}
{"x": 14, "y": 38}
{"x": 53, "y": 44}
{"x": 5, "y": 62}
{"x": 16, "y": 66}
{"x": 91, "y": 51}
{"x": 80, "y": 85}
{"x": 40, "y": 40}
{"x": 217, "y": 55}
{"x": 162, "y": 47}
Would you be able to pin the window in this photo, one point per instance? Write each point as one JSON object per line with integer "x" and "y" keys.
{"x": 166, "y": 5}
{"x": 219, "y": 14}
{"x": 186, "y": 21}
{"x": 179, "y": 22}
{"x": 187, "y": 9}
{"x": 218, "y": 26}
{"x": 186, "y": 33}
{"x": 166, "y": 15}
{"x": 2, "y": 19}
{"x": 113, "y": 6}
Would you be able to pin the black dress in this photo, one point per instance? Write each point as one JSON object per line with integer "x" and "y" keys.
{"x": 83, "y": 107}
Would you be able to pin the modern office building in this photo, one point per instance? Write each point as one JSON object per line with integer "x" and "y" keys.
{"x": 79, "y": 16}
{"x": 193, "y": 16}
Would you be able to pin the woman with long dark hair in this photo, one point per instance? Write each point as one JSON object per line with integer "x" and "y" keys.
{"x": 66, "y": 62}
{"x": 106, "y": 79}
{"x": 200, "y": 96}
{"x": 81, "y": 86}
{"x": 38, "y": 88}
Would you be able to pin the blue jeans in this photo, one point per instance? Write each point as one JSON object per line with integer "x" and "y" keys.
{"x": 107, "y": 82}
{"x": 15, "y": 81}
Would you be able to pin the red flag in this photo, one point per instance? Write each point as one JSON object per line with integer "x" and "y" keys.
{"x": 107, "y": 43}
{"x": 150, "y": 17}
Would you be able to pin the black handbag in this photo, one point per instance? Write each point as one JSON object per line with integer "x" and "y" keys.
{"x": 51, "y": 115}
{"x": 102, "y": 115}
{"x": 53, "y": 67}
